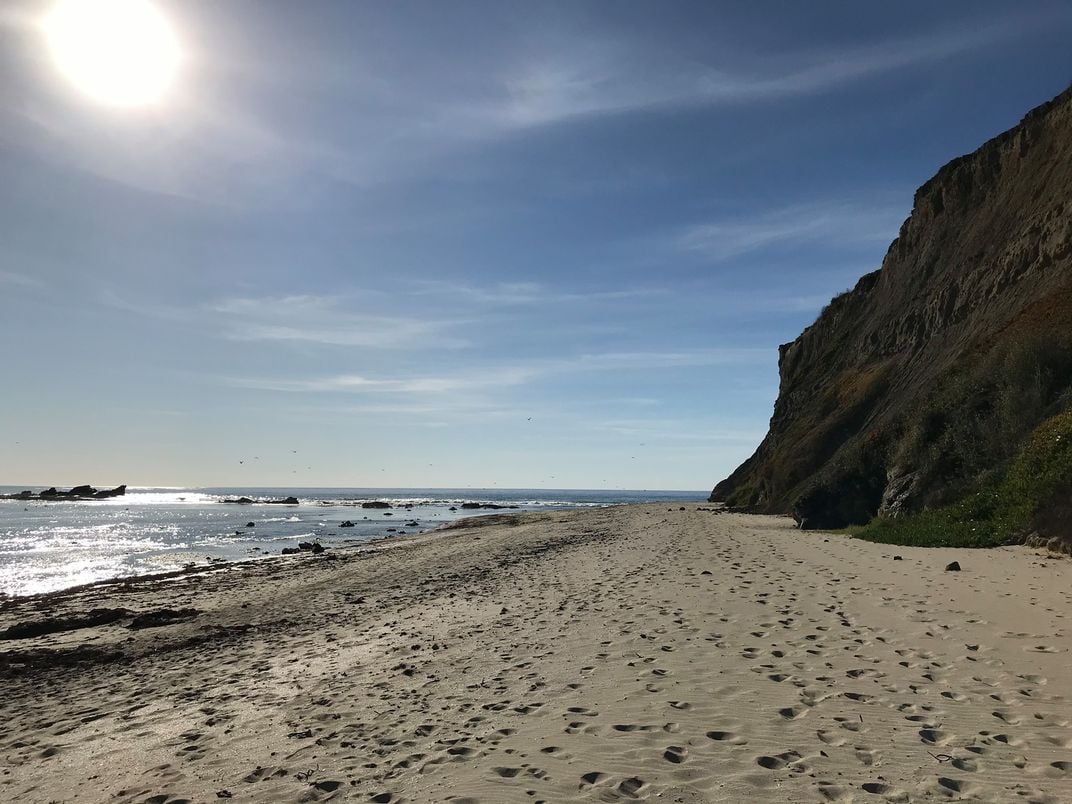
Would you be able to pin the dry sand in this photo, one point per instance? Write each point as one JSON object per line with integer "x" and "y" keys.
{"x": 624, "y": 654}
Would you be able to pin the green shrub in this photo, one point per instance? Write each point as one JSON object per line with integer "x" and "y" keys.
{"x": 994, "y": 515}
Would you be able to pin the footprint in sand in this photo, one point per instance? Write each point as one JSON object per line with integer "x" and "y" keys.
{"x": 830, "y": 738}
{"x": 675, "y": 754}
{"x": 780, "y": 761}
{"x": 935, "y": 736}
{"x": 727, "y": 737}
{"x": 890, "y": 793}
{"x": 946, "y": 783}
{"x": 834, "y": 792}
{"x": 593, "y": 778}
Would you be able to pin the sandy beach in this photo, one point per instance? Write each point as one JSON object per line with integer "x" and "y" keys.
{"x": 639, "y": 653}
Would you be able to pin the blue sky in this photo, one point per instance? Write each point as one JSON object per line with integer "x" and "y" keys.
{"x": 470, "y": 243}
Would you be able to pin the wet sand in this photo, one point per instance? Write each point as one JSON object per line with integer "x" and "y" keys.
{"x": 626, "y": 654}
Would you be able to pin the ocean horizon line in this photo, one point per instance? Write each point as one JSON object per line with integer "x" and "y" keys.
{"x": 499, "y": 489}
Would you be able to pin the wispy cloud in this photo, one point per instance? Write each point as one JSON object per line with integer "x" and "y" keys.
{"x": 322, "y": 320}
{"x": 527, "y": 293}
{"x": 832, "y": 222}
{"x": 661, "y": 430}
{"x": 357, "y": 384}
{"x": 19, "y": 280}
{"x": 608, "y": 78}
{"x": 490, "y": 376}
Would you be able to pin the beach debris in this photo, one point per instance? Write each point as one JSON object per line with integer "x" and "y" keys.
{"x": 54, "y": 625}
{"x": 251, "y": 524}
{"x": 953, "y": 566}
{"x": 224, "y": 794}
{"x": 898, "y": 558}
{"x": 347, "y": 524}
{"x": 159, "y": 617}
{"x": 290, "y": 551}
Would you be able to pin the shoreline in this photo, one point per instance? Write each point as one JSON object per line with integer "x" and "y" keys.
{"x": 629, "y": 653}
{"x": 78, "y": 542}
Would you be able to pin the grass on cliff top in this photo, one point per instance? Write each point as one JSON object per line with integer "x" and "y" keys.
{"x": 994, "y": 516}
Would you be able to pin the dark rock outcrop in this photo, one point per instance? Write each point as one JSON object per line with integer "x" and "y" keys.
{"x": 375, "y": 504}
{"x": 929, "y": 373}
{"x": 76, "y": 493}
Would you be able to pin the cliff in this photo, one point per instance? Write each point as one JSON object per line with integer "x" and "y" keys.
{"x": 923, "y": 380}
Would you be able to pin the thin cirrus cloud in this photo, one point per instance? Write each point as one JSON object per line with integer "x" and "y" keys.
{"x": 515, "y": 374}
{"x": 834, "y": 223}
{"x": 321, "y": 320}
{"x": 358, "y": 384}
{"x": 612, "y": 79}
{"x": 18, "y": 280}
{"x": 526, "y": 293}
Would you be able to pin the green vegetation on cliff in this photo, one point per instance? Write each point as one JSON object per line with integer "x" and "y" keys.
{"x": 1032, "y": 491}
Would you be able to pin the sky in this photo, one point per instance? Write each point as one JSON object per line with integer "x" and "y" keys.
{"x": 427, "y": 244}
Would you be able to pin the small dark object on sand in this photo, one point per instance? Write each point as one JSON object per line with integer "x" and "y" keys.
{"x": 290, "y": 551}
{"x": 251, "y": 524}
{"x": 347, "y": 524}
{"x": 898, "y": 558}
{"x": 224, "y": 794}
{"x": 953, "y": 567}
{"x": 154, "y": 619}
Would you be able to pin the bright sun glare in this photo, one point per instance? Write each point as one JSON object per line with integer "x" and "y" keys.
{"x": 119, "y": 52}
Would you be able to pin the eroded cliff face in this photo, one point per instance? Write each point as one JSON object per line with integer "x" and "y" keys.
{"x": 980, "y": 272}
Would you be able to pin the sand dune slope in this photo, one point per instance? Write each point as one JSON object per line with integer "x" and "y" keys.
{"x": 627, "y": 654}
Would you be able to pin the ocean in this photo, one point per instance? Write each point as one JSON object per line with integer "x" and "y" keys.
{"x": 46, "y": 546}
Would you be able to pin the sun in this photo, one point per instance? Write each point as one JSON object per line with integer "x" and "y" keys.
{"x": 118, "y": 52}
